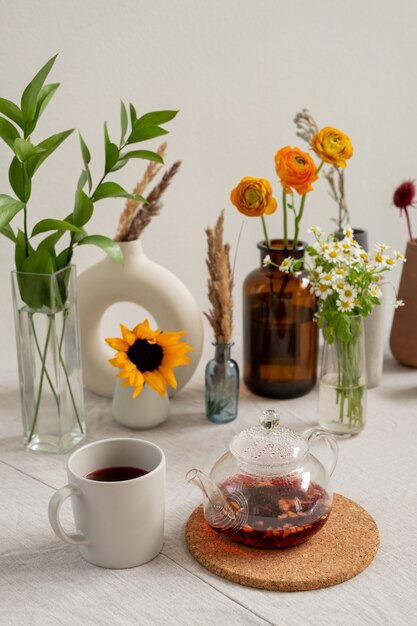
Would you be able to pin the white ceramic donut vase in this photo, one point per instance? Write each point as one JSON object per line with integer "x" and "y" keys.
{"x": 143, "y": 282}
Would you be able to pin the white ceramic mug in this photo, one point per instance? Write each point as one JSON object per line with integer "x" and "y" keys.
{"x": 119, "y": 524}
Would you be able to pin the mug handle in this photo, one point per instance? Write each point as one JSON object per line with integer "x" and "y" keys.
{"x": 314, "y": 433}
{"x": 54, "y": 508}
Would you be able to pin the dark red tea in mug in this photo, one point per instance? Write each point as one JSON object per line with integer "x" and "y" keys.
{"x": 116, "y": 474}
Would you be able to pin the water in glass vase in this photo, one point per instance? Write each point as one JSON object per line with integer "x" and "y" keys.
{"x": 341, "y": 409}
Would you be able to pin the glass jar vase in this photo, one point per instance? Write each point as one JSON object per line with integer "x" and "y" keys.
{"x": 221, "y": 385}
{"x": 49, "y": 359}
{"x": 280, "y": 336}
{"x": 342, "y": 392}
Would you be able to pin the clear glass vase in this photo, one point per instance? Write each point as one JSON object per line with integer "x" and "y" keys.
{"x": 49, "y": 359}
{"x": 221, "y": 385}
{"x": 342, "y": 393}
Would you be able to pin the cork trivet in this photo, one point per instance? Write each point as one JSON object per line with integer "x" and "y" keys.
{"x": 343, "y": 548}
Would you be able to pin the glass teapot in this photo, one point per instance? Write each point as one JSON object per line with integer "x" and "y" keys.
{"x": 269, "y": 490}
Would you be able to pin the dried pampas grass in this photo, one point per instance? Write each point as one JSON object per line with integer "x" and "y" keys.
{"x": 220, "y": 283}
{"x": 147, "y": 211}
{"x": 132, "y": 206}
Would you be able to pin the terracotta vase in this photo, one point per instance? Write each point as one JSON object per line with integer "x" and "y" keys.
{"x": 403, "y": 339}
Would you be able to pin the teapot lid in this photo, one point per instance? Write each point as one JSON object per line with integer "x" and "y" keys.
{"x": 268, "y": 446}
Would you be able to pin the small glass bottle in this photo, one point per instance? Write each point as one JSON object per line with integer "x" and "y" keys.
{"x": 221, "y": 385}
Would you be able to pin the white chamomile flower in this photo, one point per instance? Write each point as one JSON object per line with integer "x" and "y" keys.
{"x": 340, "y": 270}
{"x": 266, "y": 261}
{"x": 398, "y": 303}
{"x": 286, "y": 265}
{"x": 316, "y": 230}
{"x": 381, "y": 246}
{"x": 345, "y": 305}
{"x": 339, "y": 284}
{"x": 346, "y": 246}
{"x": 364, "y": 256}
{"x": 375, "y": 291}
{"x": 399, "y": 256}
{"x": 379, "y": 258}
{"x": 390, "y": 261}
{"x": 326, "y": 278}
{"x": 323, "y": 291}
{"x": 333, "y": 253}
{"x": 348, "y": 293}
{"x": 348, "y": 232}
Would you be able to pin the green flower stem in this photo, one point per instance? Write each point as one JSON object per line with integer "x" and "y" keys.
{"x": 284, "y": 217}
{"x": 38, "y": 399}
{"x": 40, "y": 356}
{"x": 319, "y": 167}
{"x": 298, "y": 220}
{"x": 265, "y": 232}
{"x": 61, "y": 360}
{"x": 349, "y": 393}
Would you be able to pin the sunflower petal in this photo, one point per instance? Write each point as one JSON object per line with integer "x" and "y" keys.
{"x": 118, "y": 344}
{"x": 128, "y": 336}
{"x": 156, "y": 381}
{"x": 168, "y": 374}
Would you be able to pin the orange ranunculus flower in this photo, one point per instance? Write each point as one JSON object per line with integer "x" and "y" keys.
{"x": 332, "y": 146}
{"x": 253, "y": 197}
{"x": 296, "y": 169}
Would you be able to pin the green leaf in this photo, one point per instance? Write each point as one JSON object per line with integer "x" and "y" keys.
{"x": 111, "y": 151}
{"x": 50, "y": 241}
{"x": 133, "y": 115}
{"x": 123, "y": 121}
{"x": 8, "y": 132}
{"x": 45, "y": 95}
{"x": 20, "y": 249}
{"x": 113, "y": 190}
{"x": 64, "y": 258}
{"x": 156, "y": 118}
{"x": 120, "y": 163}
{"x": 49, "y": 146}
{"x": 82, "y": 179}
{"x": 7, "y": 231}
{"x": 9, "y": 207}
{"x": 51, "y": 224}
{"x": 109, "y": 246}
{"x": 19, "y": 182}
{"x": 83, "y": 208}
{"x": 39, "y": 262}
{"x": 12, "y": 111}
{"x": 142, "y": 154}
{"x": 85, "y": 153}
{"x": 143, "y": 133}
{"x": 30, "y": 95}
{"x": 25, "y": 150}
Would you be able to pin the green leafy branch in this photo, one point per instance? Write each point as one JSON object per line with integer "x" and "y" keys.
{"x": 17, "y": 123}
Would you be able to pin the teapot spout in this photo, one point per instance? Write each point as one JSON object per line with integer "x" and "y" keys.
{"x": 217, "y": 511}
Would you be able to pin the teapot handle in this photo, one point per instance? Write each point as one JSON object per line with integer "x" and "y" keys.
{"x": 311, "y": 434}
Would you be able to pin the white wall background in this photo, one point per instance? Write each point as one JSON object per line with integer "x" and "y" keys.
{"x": 238, "y": 70}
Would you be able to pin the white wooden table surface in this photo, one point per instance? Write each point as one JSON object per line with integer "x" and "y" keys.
{"x": 46, "y": 582}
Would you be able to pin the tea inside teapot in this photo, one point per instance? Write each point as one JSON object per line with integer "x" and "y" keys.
{"x": 279, "y": 511}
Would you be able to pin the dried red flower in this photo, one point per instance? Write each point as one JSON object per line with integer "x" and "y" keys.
{"x": 404, "y": 195}
{"x": 403, "y": 198}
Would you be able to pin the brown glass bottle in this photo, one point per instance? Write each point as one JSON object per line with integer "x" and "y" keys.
{"x": 280, "y": 336}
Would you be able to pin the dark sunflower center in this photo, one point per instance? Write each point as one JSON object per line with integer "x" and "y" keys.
{"x": 146, "y": 356}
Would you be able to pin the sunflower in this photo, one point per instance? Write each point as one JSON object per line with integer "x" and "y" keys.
{"x": 148, "y": 356}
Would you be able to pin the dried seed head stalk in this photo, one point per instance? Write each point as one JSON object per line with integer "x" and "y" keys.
{"x": 131, "y": 206}
{"x": 146, "y": 212}
{"x": 306, "y": 129}
{"x": 220, "y": 283}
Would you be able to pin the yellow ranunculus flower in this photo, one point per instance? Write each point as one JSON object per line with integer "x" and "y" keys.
{"x": 253, "y": 197}
{"x": 332, "y": 146}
